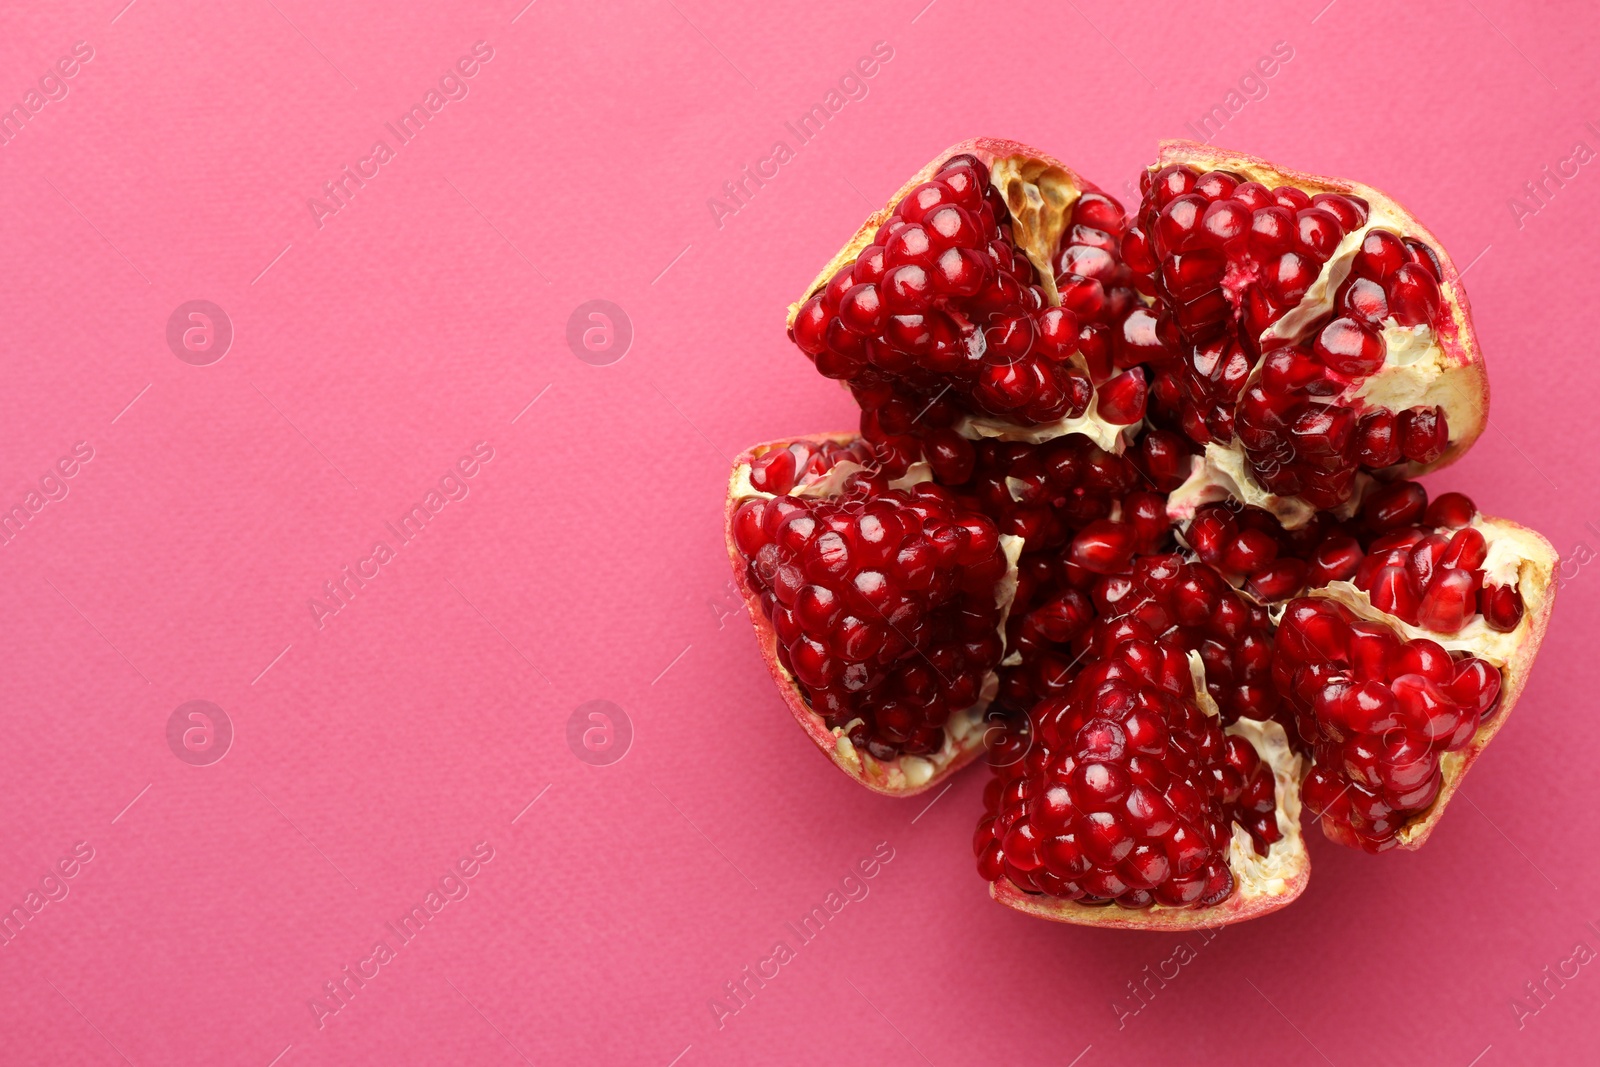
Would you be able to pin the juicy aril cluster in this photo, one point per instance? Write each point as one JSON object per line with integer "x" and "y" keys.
{"x": 1132, "y": 508}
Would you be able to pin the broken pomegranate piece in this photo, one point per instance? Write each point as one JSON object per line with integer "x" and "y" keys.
{"x": 943, "y": 311}
{"x": 1132, "y": 506}
{"x": 1132, "y": 794}
{"x": 1325, "y": 334}
{"x": 944, "y": 297}
{"x": 885, "y": 605}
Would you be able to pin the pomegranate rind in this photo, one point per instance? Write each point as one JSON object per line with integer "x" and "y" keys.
{"x": 1462, "y": 388}
{"x": 1513, "y": 653}
{"x": 903, "y": 776}
{"x": 1262, "y": 885}
{"x": 1040, "y": 191}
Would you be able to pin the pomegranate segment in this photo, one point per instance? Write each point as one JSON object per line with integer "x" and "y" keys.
{"x": 885, "y": 603}
{"x": 943, "y": 312}
{"x": 1188, "y": 609}
{"x": 1323, "y": 332}
{"x": 1132, "y": 794}
{"x": 1378, "y": 713}
{"x": 1233, "y": 258}
{"x": 944, "y": 298}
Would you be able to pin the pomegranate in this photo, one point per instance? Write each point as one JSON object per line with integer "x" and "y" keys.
{"x": 1132, "y": 507}
{"x": 1135, "y": 794}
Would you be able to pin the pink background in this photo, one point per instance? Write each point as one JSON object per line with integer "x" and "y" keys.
{"x": 587, "y": 562}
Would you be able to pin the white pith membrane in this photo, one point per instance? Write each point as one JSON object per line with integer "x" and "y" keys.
{"x": 964, "y": 730}
{"x": 1417, "y": 369}
{"x": 1260, "y": 883}
{"x": 1221, "y": 473}
{"x": 1518, "y": 557}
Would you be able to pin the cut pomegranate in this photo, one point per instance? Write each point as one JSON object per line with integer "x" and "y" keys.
{"x": 1379, "y": 714}
{"x": 1394, "y": 714}
{"x": 1131, "y": 504}
{"x": 943, "y": 311}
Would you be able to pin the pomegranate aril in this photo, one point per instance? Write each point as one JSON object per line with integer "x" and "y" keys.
{"x": 1394, "y": 506}
{"x": 1351, "y": 211}
{"x": 1380, "y": 255}
{"x": 1414, "y": 298}
{"x": 1122, "y": 399}
{"x": 1350, "y": 347}
{"x": 1317, "y": 231}
{"x": 1424, "y": 434}
{"x": 1453, "y": 510}
{"x": 1377, "y": 444}
{"x": 1501, "y": 606}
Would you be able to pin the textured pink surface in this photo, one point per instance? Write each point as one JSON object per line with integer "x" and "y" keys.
{"x": 585, "y": 562}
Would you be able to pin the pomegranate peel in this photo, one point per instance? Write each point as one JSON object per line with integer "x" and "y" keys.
{"x": 903, "y": 774}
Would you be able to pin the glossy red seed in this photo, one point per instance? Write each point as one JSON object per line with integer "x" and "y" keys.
{"x": 1103, "y": 547}
{"x": 1414, "y": 298}
{"x": 1122, "y": 399}
{"x": 1453, "y": 510}
{"x": 1451, "y": 599}
{"x": 1424, "y": 434}
{"x": 1393, "y": 506}
{"x": 1381, "y": 254}
{"x": 1350, "y": 347}
{"x": 1502, "y": 607}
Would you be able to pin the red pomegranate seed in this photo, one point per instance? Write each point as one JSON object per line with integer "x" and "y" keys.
{"x": 1451, "y": 599}
{"x": 1349, "y": 347}
{"x": 1501, "y": 606}
{"x": 1453, "y": 510}
{"x": 1335, "y": 560}
{"x": 1377, "y": 444}
{"x": 1394, "y": 506}
{"x": 1423, "y": 434}
{"x": 1414, "y": 296}
{"x": 1122, "y": 399}
{"x": 1104, "y": 547}
{"x": 1381, "y": 254}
